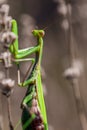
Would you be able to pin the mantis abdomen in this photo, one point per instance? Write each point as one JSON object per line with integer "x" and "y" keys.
{"x": 31, "y": 115}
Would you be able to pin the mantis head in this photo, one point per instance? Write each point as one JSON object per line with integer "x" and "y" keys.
{"x": 38, "y": 33}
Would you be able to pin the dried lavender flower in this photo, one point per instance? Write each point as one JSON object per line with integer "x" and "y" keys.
{"x": 8, "y": 82}
{"x": 5, "y": 20}
{"x": 8, "y": 85}
{"x": 65, "y": 24}
{"x": 74, "y": 71}
{"x": 4, "y": 10}
{"x": 62, "y": 9}
{"x": 6, "y": 58}
{"x": 8, "y": 37}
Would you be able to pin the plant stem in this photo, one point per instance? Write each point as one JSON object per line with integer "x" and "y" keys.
{"x": 79, "y": 104}
{"x": 9, "y": 105}
{"x": 9, "y": 114}
{"x": 74, "y": 81}
{"x": 1, "y": 115}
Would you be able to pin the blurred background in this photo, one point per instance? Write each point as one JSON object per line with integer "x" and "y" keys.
{"x": 59, "y": 95}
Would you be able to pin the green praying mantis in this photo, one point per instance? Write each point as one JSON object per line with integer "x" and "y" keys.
{"x": 33, "y": 105}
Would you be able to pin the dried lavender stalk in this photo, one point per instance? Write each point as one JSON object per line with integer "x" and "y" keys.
{"x": 9, "y": 114}
{"x": 74, "y": 72}
{"x": 6, "y": 38}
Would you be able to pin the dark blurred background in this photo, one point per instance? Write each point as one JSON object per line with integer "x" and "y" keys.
{"x": 59, "y": 96}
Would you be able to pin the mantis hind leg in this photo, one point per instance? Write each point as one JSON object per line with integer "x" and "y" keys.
{"x": 27, "y": 119}
{"x": 17, "y": 61}
{"x": 31, "y": 115}
{"x": 31, "y": 122}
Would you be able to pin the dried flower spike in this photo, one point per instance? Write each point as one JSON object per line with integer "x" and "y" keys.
{"x": 8, "y": 37}
{"x": 62, "y": 9}
{"x": 74, "y": 71}
{"x": 4, "y": 10}
{"x": 65, "y": 24}
{"x": 8, "y": 85}
{"x": 6, "y": 58}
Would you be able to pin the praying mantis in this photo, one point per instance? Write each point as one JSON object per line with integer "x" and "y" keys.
{"x": 33, "y": 105}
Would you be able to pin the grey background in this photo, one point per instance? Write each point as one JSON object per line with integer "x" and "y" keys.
{"x": 60, "y": 100}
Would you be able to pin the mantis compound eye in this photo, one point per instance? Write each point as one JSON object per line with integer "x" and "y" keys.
{"x": 39, "y": 33}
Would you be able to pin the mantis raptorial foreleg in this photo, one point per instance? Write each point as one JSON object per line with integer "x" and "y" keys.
{"x": 23, "y": 60}
{"x": 20, "y": 53}
{"x": 26, "y": 52}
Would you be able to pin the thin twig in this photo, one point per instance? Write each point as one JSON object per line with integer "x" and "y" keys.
{"x": 74, "y": 80}
{"x": 1, "y": 121}
{"x": 79, "y": 104}
{"x": 9, "y": 114}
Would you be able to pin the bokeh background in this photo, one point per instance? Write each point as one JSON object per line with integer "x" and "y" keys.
{"x": 59, "y": 95}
